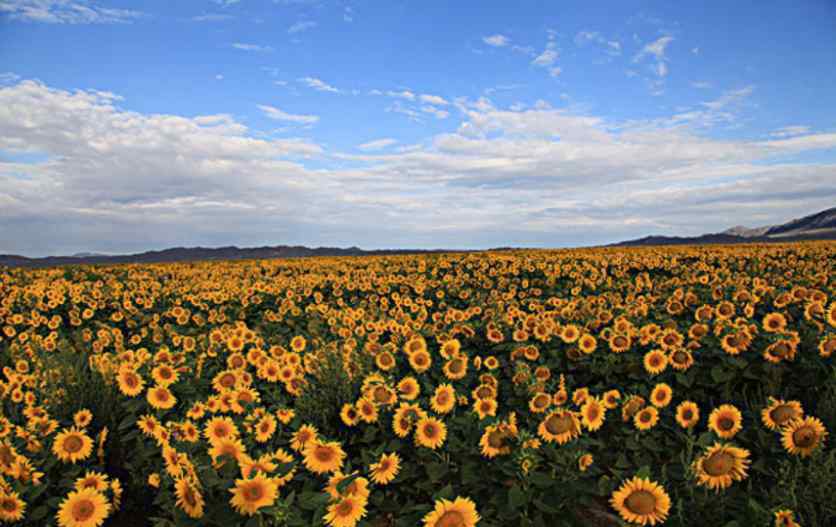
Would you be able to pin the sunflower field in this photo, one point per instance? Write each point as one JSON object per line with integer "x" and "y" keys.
{"x": 594, "y": 387}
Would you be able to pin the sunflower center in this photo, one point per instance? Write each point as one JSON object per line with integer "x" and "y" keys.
{"x": 380, "y": 394}
{"x": 253, "y": 492}
{"x": 592, "y": 413}
{"x": 641, "y": 502}
{"x": 456, "y": 366}
{"x": 725, "y": 423}
{"x": 189, "y": 498}
{"x": 495, "y": 439}
{"x": 557, "y": 425}
{"x": 719, "y": 464}
{"x": 9, "y": 505}
{"x": 429, "y": 430}
{"x": 345, "y": 508}
{"x": 83, "y": 510}
{"x": 73, "y": 444}
{"x": 783, "y": 413}
{"x": 645, "y": 417}
{"x": 451, "y": 519}
{"x": 687, "y": 414}
{"x": 323, "y": 454}
{"x": 804, "y": 437}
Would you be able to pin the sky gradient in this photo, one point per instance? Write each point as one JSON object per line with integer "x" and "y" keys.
{"x": 129, "y": 126}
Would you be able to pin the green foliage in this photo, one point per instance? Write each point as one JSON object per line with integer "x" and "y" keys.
{"x": 329, "y": 387}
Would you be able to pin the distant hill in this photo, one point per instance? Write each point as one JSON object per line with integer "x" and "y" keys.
{"x": 819, "y": 226}
{"x": 188, "y": 254}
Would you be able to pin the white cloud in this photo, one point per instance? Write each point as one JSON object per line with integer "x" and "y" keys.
{"x": 611, "y": 47}
{"x": 114, "y": 180}
{"x": 790, "y": 131}
{"x": 279, "y": 115}
{"x": 318, "y": 84}
{"x": 219, "y": 77}
{"x": 378, "y": 144}
{"x": 348, "y": 14}
{"x": 439, "y": 114}
{"x": 212, "y": 17}
{"x": 66, "y": 12}
{"x": 9, "y": 78}
{"x": 695, "y": 51}
{"x": 496, "y": 41}
{"x": 226, "y": 3}
{"x": 434, "y": 99}
{"x": 252, "y": 47}
{"x": 301, "y": 26}
{"x": 546, "y": 58}
{"x": 656, "y": 48}
{"x": 403, "y": 94}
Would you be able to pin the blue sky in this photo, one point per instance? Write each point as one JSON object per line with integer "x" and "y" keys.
{"x": 128, "y": 126}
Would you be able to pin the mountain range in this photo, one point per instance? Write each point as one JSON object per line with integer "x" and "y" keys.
{"x": 819, "y": 226}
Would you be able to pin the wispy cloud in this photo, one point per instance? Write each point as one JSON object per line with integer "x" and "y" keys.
{"x": 252, "y": 47}
{"x": 301, "y": 26}
{"x": 656, "y": 48}
{"x": 66, "y": 12}
{"x": 496, "y": 41}
{"x": 212, "y": 17}
{"x": 318, "y": 84}
{"x": 791, "y": 131}
{"x": 434, "y": 99}
{"x": 611, "y": 47}
{"x": 547, "y": 58}
{"x": 274, "y": 113}
{"x": 378, "y": 144}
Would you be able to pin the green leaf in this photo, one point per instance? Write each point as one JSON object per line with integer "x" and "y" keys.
{"x": 343, "y": 485}
{"x": 436, "y": 471}
{"x": 517, "y": 498}
{"x": 644, "y": 472}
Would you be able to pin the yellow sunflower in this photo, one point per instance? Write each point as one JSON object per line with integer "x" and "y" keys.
{"x": 584, "y": 462}
{"x": 661, "y": 395}
{"x": 349, "y": 415}
{"x": 655, "y": 362}
{"x": 265, "y": 428}
{"x": 785, "y": 518}
{"x": 687, "y": 414}
{"x": 420, "y": 361}
{"x": 322, "y": 456}
{"x": 161, "y": 398}
{"x": 444, "y": 399}
{"x": 346, "y": 512}
{"x": 646, "y": 418}
{"x": 485, "y": 407}
{"x": 780, "y": 412}
{"x": 593, "y": 413}
{"x": 493, "y": 442}
{"x": 641, "y": 501}
{"x": 460, "y": 512}
{"x": 456, "y": 367}
{"x": 12, "y": 508}
{"x": 82, "y": 418}
{"x": 130, "y": 382}
{"x": 92, "y": 480}
{"x": 721, "y": 465}
{"x": 386, "y": 469}
{"x": 303, "y": 436}
{"x": 802, "y": 436}
{"x": 725, "y": 421}
{"x": 774, "y": 323}
{"x": 189, "y": 498}
{"x": 540, "y": 402}
{"x": 83, "y": 508}
{"x": 219, "y": 428}
{"x": 358, "y": 488}
{"x": 560, "y": 426}
{"x": 251, "y": 494}
{"x": 408, "y": 388}
{"x": 72, "y": 445}
{"x": 430, "y": 432}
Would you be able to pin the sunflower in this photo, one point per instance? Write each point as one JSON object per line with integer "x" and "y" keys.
{"x": 774, "y": 323}
{"x": 444, "y": 399}
{"x": 540, "y": 402}
{"x": 12, "y": 508}
{"x": 619, "y": 343}
{"x": 661, "y": 395}
{"x": 785, "y": 518}
{"x": 386, "y": 468}
{"x": 681, "y": 359}
{"x": 831, "y": 314}
{"x": 610, "y": 399}
{"x": 646, "y": 418}
{"x": 189, "y": 498}
{"x": 300, "y": 439}
{"x": 265, "y": 428}
{"x": 322, "y": 456}
{"x": 460, "y": 512}
{"x": 72, "y": 445}
{"x": 408, "y": 388}
{"x": 570, "y": 333}
{"x": 367, "y": 410}
{"x": 92, "y": 480}
{"x": 721, "y": 465}
{"x": 687, "y": 414}
{"x": 346, "y": 512}
{"x": 587, "y": 344}
{"x": 349, "y": 415}
{"x": 83, "y": 508}
{"x": 219, "y": 428}
{"x": 641, "y": 501}
{"x": 164, "y": 375}
{"x": 161, "y": 398}
{"x": 420, "y": 361}
{"x": 593, "y": 413}
{"x": 130, "y": 382}
{"x": 655, "y": 362}
{"x": 251, "y": 494}
{"x": 230, "y": 447}
{"x": 384, "y": 360}
{"x": 560, "y": 426}
{"x": 455, "y": 368}
{"x": 492, "y": 442}
{"x": 485, "y": 407}
{"x": 430, "y": 432}
{"x": 780, "y": 412}
{"x": 82, "y": 418}
{"x": 802, "y": 436}
{"x": 584, "y": 462}
{"x": 358, "y": 488}
{"x": 725, "y": 421}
